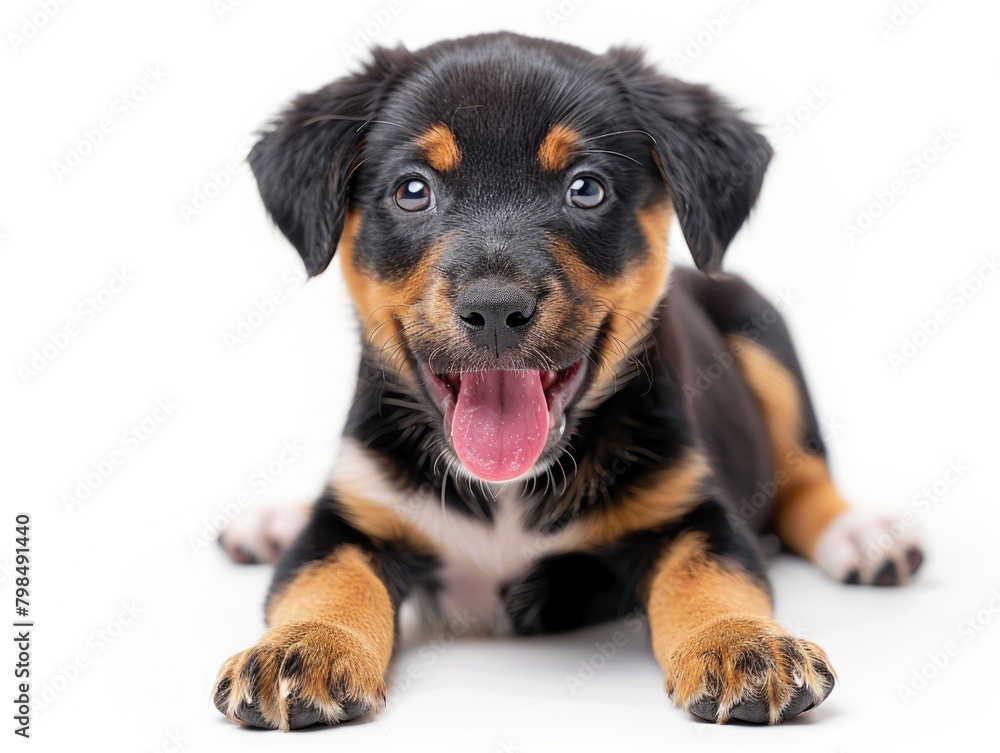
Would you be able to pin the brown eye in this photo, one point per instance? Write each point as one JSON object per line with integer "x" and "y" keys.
{"x": 414, "y": 195}
{"x": 585, "y": 192}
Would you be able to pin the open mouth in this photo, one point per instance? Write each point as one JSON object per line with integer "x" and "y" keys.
{"x": 500, "y": 422}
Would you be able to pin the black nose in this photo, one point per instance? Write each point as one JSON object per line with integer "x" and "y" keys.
{"x": 496, "y": 316}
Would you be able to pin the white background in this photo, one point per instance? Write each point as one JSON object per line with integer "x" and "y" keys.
{"x": 894, "y": 431}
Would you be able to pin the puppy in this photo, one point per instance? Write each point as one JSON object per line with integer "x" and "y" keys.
{"x": 550, "y": 429}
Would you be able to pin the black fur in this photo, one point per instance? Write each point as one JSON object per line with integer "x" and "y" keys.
{"x": 574, "y": 590}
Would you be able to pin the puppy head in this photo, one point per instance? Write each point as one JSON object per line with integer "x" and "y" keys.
{"x": 500, "y": 205}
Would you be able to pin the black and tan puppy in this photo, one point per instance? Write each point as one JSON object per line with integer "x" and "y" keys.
{"x": 550, "y": 429}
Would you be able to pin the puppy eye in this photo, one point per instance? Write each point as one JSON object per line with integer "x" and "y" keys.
{"x": 585, "y": 192}
{"x": 414, "y": 195}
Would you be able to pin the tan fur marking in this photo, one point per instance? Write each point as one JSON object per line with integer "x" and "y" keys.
{"x": 558, "y": 147}
{"x": 688, "y": 589}
{"x": 808, "y": 506}
{"x": 359, "y": 285}
{"x": 807, "y": 499}
{"x": 342, "y": 589}
{"x": 714, "y": 637}
{"x": 380, "y": 523}
{"x": 440, "y": 148}
{"x": 666, "y": 498}
{"x": 336, "y": 618}
{"x": 649, "y": 281}
{"x": 383, "y": 306}
{"x": 634, "y": 296}
{"x": 582, "y": 277}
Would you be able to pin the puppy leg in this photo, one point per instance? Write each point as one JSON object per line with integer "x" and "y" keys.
{"x": 723, "y": 656}
{"x": 813, "y": 519}
{"x": 331, "y": 613}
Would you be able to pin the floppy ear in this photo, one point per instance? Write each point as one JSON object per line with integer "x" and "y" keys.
{"x": 304, "y": 161}
{"x": 712, "y": 160}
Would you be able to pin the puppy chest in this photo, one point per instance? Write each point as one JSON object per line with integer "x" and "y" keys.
{"x": 479, "y": 559}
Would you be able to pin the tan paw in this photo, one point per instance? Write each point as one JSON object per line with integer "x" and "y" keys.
{"x": 747, "y": 668}
{"x": 301, "y": 674}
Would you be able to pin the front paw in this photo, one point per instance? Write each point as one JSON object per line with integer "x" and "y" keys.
{"x": 748, "y": 668}
{"x": 300, "y": 674}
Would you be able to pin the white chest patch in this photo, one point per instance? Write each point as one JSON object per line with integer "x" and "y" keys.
{"x": 477, "y": 557}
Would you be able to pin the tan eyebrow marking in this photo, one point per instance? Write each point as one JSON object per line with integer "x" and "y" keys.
{"x": 558, "y": 147}
{"x": 440, "y": 148}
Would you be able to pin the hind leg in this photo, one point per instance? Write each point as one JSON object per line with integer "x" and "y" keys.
{"x": 812, "y": 518}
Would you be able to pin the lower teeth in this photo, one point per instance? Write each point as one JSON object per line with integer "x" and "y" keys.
{"x": 562, "y": 425}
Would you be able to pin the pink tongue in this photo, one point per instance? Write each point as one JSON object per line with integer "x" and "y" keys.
{"x": 501, "y": 423}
